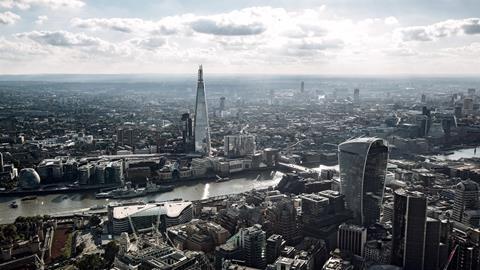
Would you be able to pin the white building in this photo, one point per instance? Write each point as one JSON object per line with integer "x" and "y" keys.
{"x": 143, "y": 216}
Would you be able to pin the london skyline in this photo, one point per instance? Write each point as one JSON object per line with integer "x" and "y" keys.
{"x": 263, "y": 37}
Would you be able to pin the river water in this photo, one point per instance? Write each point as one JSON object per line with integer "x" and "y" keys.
{"x": 459, "y": 154}
{"x": 68, "y": 203}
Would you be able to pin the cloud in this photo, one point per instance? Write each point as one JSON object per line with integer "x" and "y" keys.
{"x": 229, "y": 24}
{"x": 226, "y": 28}
{"x": 415, "y": 33}
{"x": 53, "y": 4}
{"x": 471, "y": 49}
{"x": 8, "y": 18}
{"x": 128, "y": 25}
{"x": 244, "y": 40}
{"x": 400, "y": 51}
{"x": 61, "y": 38}
{"x": 78, "y": 44}
{"x": 320, "y": 44}
{"x": 41, "y": 19}
{"x": 471, "y": 26}
{"x": 151, "y": 43}
{"x": 448, "y": 28}
{"x": 391, "y": 20}
{"x": 16, "y": 50}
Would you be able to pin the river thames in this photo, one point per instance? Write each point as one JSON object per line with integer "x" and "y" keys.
{"x": 68, "y": 203}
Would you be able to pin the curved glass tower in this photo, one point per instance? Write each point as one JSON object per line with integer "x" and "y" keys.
{"x": 201, "y": 131}
{"x": 363, "y": 166}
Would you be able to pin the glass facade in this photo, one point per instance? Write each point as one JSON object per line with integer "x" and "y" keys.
{"x": 202, "y": 132}
{"x": 363, "y": 167}
{"x": 409, "y": 226}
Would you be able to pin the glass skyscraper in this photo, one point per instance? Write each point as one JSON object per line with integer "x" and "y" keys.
{"x": 202, "y": 130}
{"x": 409, "y": 229}
{"x": 363, "y": 167}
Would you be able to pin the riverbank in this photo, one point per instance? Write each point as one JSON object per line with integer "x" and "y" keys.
{"x": 454, "y": 155}
{"x": 79, "y": 202}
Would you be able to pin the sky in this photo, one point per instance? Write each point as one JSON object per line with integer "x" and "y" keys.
{"x": 336, "y": 37}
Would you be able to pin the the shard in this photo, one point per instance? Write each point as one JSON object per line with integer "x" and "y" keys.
{"x": 202, "y": 130}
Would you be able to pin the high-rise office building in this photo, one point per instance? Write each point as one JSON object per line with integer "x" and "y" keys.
{"x": 363, "y": 167}
{"x": 275, "y": 244}
{"x": 356, "y": 96}
{"x": 432, "y": 244}
{"x": 120, "y": 136}
{"x": 125, "y": 136}
{"x": 471, "y": 92}
{"x": 253, "y": 244}
{"x": 409, "y": 227}
{"x": 467, "y": 254}
{"x": 302, "y": 87}
{"x": 239, "y": 145}
{"x": 202, "y": 130}
{"x": 352, "y": 238}
{"x": 187, "y": 132}
{"x": 1, "y": 162}
{"x": 222, "y": 104}
{"x": 467, "y": 105}
{"x": 466, "y": 198}
{"x": 387, "y": 212}
{"x": 287, "y": 223}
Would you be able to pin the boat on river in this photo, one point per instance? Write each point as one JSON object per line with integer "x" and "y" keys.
{"x": 14, "y": 204}
{"x": 127, "y": 192}
{"x": 29, "y": 198}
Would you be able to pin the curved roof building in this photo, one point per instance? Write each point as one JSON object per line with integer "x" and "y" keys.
{"x": 29, "y": 178}
{"x": 363, "y": 167}
{"x": 143, "y": 216}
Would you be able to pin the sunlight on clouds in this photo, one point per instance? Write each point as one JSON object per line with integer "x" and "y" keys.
{"x": 313, "y": 39}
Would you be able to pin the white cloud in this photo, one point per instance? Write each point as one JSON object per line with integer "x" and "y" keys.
{"x": 472, "y": 49}
{"x": 227, "y": 28}
{"x": 41, "y": 19}
{"x": 391, "y": 20}
{"x": 8, "y": 18}
{"x": 245, "y": 40}
{"x": 11, "y": 50}
{"x": 53, "y": 4}
{"x": 400, "y": 50}
{"x": 151, "y": 43}
{"x": 448, "y": 28}
{"x": 129, "y": 25}
{"x": 77, "y": 44}
{"x": 61, "y": 38}
{"x": 263, "y": 36}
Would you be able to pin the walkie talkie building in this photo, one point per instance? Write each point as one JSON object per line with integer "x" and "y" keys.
{"x": 363, "y": 167}
{"x": 201, "y": 130}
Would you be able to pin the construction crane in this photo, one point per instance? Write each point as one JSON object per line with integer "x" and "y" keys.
{"x": 450, "y": 257}
{"x": 242, "y": 131}
{"x": 287, "y": 149}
